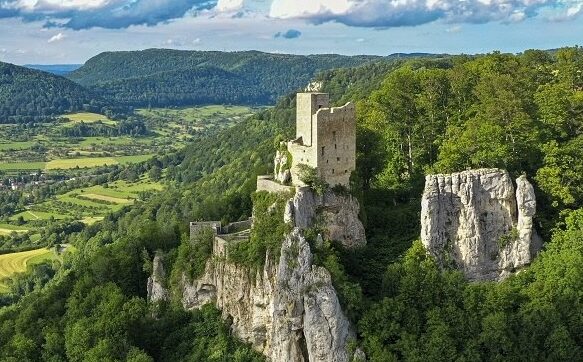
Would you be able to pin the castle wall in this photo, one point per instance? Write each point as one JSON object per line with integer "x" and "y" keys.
{"x": 301, "y": 155}
{"x": 336, "y": 142}
{"x": 265, "y": 183}
{"x": 307, "y": 104}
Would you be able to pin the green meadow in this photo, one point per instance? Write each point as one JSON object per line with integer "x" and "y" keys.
{"x": 13, "y": 263}
{"x": 44, "y": 147}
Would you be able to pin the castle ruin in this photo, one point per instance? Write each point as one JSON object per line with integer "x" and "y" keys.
{"x": 325, "y": 140}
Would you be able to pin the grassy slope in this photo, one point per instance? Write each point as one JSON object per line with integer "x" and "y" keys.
{"x": 13, "y": 263}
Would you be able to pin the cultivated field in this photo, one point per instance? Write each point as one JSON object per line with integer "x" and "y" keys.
{"x": 89, "y": 204}
{"x": 13, "y": 263}
{"x": 87, "y": 117}
{"x": 46, "y": 146}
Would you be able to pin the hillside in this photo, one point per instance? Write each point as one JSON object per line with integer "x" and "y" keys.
{"x": 161, "y": 77}
{"x": 28, "y": 95}
{"x": 414, "y": 119}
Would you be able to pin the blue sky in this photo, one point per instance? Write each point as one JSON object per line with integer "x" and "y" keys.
{"x": 71, "y": 31}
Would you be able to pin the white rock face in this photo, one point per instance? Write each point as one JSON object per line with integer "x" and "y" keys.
{"x": 339, "y": 216}
{"x": 476, "y": 221}
{"x": 288, "y": 311}
{"x": 281, "y": 171}
{"x": 156, "y": 290}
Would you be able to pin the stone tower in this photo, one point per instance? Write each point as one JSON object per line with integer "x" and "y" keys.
{"x": 325, "y": 139}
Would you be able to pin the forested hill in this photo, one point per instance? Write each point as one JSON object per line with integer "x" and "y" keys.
{"x": 28, "y": 95}
{"x": 162, "y": 77}
{"x": 523, "y": 113}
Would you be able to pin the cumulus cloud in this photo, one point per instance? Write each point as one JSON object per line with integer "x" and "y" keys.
{"x": 229, "y": 5}
{"x": 57, "y": 37}
{"x": 290, "y": 34}
{"x": 113, "y": 14}
{"x": 395, "y": 13}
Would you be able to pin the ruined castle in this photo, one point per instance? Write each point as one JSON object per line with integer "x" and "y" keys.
{"x": 325, "y": 140}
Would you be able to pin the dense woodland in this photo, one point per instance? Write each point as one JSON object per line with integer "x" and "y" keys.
{"x": 521, "y": 112}
{"x": 163, "y": 77}
{"x": 28, "y": 96}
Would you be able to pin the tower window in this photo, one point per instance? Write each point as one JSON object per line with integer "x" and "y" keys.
{"x": 338, "y": 159}
{"x": 334, "y": 136}
{"x": 332, "y": 170}
{"x": 322, "y": 150}
{"x": 335, "y": 146}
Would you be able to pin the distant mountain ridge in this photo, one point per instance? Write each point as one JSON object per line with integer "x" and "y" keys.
{"x": 28, "y": 95}
{"x": 56, "y": 69}
{"x": 164, "y": 77}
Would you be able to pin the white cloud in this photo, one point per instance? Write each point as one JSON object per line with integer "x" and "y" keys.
{"x": 112, "y": 14}
{"x": 57, "y": 37}
{"x": 48, "y": 5}
{"x": 229, "y": 5}
{"x": 395, "y": 13}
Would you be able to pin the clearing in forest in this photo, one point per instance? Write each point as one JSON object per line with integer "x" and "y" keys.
{"x": 13, "y": 263}
{"x": 88, "y": 117}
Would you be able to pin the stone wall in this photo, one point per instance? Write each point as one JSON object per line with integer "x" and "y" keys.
{"x": 266, "y": 183}
{"x": 336, "y": 140}
{"x": 307, "y": 104}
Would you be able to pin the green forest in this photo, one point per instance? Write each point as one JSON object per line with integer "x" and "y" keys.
{"x": 28, "y": 96}
{"x": 523, "y": 113}
{"x": 163, "y": 77}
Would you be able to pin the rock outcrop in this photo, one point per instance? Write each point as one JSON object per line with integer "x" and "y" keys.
{"x": 281, "y": 168}
{"x": 477, "y": 222}
{"x": 288, "y": 310}
{"x": 156, "y": 290}
{"x": 336, "y": 214}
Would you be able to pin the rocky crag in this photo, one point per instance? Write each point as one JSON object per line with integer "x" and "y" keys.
{"x": 335, "y": 214}
{"x": 479, "y": 222}
{"x": 288, "y": 309}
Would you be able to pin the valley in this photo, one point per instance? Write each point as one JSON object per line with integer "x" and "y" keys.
{"x": 402, "y": 209}
{"x": 81, "y": 167}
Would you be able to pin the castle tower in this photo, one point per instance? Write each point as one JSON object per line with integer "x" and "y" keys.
{"x": 307, "y": 104}
{"x": 325, "y": 139}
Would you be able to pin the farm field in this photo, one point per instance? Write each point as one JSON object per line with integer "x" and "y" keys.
{"x": 87, "y": 162}
{"x": 89, "y": 204}
{"x": 87, "y": 117}
{"x": 13, "y": 263}
{"x": 50, "y": 147}
{"x": 7, "y": 229}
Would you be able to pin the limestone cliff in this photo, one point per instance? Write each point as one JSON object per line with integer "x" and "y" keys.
{"x": 281, "y": 167}
{"x": 156, "y": 290}
{"x": 336, "y": 214}
{"x": 478, "y": 222}
{"x": 288, "y": 309}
